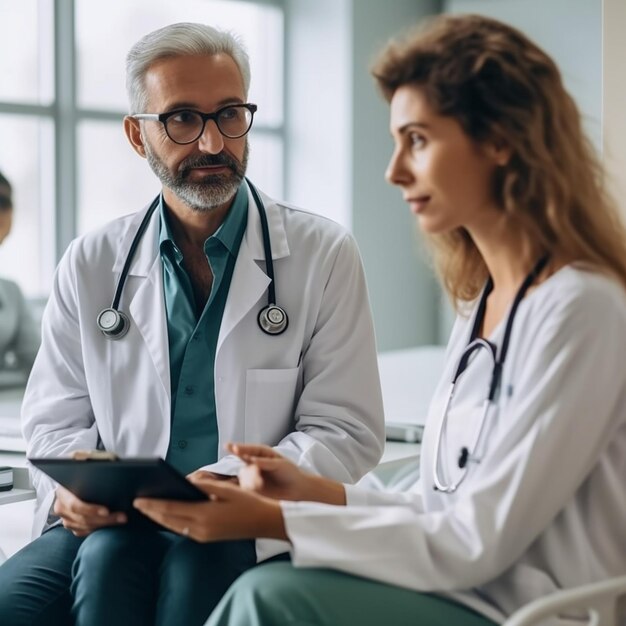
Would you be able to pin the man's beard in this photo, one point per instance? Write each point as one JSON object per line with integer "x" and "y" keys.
{"x": 213, "y": 190}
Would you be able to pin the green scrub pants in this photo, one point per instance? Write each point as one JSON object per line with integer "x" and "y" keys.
{"x": 278, "y": 594}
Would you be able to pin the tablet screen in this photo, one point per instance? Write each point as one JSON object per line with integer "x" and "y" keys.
{"x": 115, "y": 484}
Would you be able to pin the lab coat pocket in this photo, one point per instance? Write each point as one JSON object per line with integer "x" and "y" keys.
{"x": 270, "y": 402}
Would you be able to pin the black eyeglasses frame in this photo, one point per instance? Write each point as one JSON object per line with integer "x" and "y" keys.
{"x": 163, "y": 117}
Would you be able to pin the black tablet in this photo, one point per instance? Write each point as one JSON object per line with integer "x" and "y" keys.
{"x": 116, "y": 483}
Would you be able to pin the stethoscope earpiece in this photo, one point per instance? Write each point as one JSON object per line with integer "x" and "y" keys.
{"x": 273, "y": 320}
{"x": 113, "y": 323}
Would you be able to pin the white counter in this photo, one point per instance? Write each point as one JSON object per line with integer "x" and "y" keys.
{"x": 10, "y": 433}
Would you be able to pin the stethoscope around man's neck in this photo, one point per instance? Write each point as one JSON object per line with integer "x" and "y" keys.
{"x": 272, "y": 319}
{"x": 466, "y": 454}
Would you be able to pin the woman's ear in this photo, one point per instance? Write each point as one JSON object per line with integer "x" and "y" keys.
{"x": 498, "y": 151}
{"x": 132, "y": 129}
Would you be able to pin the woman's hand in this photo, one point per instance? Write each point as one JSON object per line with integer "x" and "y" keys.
{"x": 81, "y": 517}
{"x": 230, "y": 513}
{"x": 206, "y": 474}
{"x": 268, "y": 473}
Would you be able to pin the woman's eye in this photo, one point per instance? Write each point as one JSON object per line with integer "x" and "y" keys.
{"x": 416, "y": 140}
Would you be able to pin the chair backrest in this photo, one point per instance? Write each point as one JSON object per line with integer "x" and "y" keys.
{"x": 604, "y": 603}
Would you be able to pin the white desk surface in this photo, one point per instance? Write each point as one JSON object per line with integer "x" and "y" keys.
{"x": 10, "y": 407}
{"x": 20, "y": 491}
{"x": 10, "y": 453}
{"x": 11, "y": 401}
{"x": 397, "y": 450}
{"x": 17, "y": 495}
{"x": 10, "y": 447}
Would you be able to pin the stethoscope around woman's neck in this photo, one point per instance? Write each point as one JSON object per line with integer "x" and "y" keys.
{"x": 272, "y": 319}
{"x": 466, "y": 454}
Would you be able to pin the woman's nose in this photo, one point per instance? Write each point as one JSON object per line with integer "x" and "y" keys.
{"x": 396, "y": 172}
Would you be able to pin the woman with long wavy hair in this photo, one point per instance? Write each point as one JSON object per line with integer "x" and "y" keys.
{"x": 521, "y": 484}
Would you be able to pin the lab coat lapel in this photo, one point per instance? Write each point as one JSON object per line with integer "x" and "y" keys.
{"x": 249, "y": 281}
{"x": 147, "y": 306}
{"x": 147, "y": 310}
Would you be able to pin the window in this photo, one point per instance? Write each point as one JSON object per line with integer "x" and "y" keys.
{"x": 62, "y": 100}
{"x": 27, "y": 140}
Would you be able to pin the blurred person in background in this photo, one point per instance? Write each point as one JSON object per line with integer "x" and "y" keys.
{"x": 19, "y": 334}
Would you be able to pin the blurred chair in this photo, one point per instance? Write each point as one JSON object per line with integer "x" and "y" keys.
{"x": 603, "y": 603}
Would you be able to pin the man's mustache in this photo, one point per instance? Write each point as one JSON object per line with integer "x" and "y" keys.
{"x": 207, "y": 160}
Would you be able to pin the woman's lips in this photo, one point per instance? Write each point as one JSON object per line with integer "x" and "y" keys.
{"x": 418, "y": 204}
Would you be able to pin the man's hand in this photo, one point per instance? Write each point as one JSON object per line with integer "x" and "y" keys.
{"x": 83, "y": 518}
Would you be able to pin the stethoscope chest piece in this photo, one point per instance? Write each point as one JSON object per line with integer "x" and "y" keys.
{"x": 113, "y": 323}
{"x": 273, "y": 320}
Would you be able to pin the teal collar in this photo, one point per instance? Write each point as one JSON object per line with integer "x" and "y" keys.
{"x": 230, "y": 232}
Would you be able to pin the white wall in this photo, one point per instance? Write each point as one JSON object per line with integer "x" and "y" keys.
{"x": 318, "y": 107}
{"x": 338, "y": 148}
{"x": 570, "y": 31}
{"x": 405, "y": 294}
{"x": 614, "y": 97}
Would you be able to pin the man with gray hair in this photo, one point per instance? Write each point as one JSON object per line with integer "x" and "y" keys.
{"x": 215, "y": 314}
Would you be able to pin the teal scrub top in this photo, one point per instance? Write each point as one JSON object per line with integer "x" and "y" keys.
{"x": 193, "y": 339}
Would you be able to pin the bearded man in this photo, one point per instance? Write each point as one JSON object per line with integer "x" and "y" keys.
{"x": 215, "y": 314}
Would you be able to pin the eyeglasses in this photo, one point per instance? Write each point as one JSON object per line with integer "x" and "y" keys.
{"x": 186, "y": 126}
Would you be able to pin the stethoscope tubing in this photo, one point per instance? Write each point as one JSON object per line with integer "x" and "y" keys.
{"x": 272, "y": 319}
{"x": 470, "y": 455}
{"x": 267, "y": 246}
{"x": 121, "y": 281}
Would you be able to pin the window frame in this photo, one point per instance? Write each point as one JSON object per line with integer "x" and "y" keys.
{"x": 65, "y": 114}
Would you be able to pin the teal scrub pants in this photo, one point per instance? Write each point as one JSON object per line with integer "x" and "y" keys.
{"x": 278, "y": 594}
{"x": 118, "y": 577}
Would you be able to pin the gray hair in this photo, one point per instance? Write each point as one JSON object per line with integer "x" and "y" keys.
{"x": 183, "y": 39}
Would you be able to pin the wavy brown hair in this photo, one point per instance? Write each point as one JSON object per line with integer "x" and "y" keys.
{"x": 502, "y": 88}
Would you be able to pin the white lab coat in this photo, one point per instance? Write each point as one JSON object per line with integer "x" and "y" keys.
{"x": 312, "y": 391}
{"x": 545, "y": 509}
